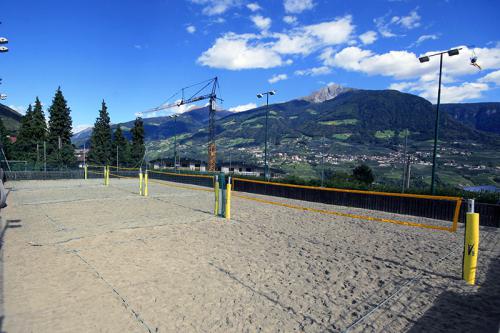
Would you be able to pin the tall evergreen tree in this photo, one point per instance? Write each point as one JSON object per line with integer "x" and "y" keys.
{"x": 4, "y": 143}
{"x": 38, "y": 130}
{"x": 121, "y": 147}
{"x": 100, "y": 140}
{"x": 60, "y": 150}
{"x": 39, "y": 126}
{"x": 138, "y": 148}
{"x": 23, "y": 143}
{"x": 32, "y": 134}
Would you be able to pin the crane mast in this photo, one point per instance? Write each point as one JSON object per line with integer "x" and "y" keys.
{"x": 212, "y": 97}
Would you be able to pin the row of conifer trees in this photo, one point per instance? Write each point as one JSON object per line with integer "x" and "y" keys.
{"x": 41, "y": 143}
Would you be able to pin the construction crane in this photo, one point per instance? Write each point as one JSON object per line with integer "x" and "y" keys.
{"x": 213, "y": 84}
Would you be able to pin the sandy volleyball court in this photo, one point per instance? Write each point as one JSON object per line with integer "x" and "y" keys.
{"x": 81, "y": 257}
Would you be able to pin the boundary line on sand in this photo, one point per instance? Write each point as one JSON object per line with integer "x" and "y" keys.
{"x": 123, "y": 300}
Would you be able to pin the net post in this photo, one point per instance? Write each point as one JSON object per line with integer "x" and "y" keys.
{"x": 471, "y": 245}
{"x": 140, "y": 181}
{"x": 146, "y": 183}
{"x": 228, "y": 199}
{"x": 104, "y": 175}
{"x": 216, "y": 192}
{"x": 85, "y": 172}
{"x": 222, "y": 195}
{"x": 107, "y": 175}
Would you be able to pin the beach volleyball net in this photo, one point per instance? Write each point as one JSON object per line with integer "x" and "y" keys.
{"x": 94, "y": 171}
{"x": 424, "y": 211}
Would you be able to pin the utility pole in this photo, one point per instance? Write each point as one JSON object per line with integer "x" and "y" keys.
{"x": 323, "y": 161}
{"x": 175, "y": 140}
{"x": 117, "y": 156}
{"x": 45, "y": 156}
{"x": 404, "y": 163}
{"x": 408, "y": 169}
{"x": 84, "y": 159}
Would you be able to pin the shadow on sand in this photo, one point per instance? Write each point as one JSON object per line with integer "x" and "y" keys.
{"x": 477, "y": 312}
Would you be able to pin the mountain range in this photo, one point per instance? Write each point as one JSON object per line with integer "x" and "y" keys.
{"x": 349, "y": 125}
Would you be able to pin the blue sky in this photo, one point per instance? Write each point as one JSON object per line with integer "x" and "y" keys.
{"x": 135, "y": 54}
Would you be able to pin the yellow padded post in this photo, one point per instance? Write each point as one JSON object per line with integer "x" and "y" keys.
{"x": 471, "y": 247}
{"x": 228, "y": 201}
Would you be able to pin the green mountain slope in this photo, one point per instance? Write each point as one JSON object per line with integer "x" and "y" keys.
{"x": 480, "y": 116}
{"x": 10, "y": 117}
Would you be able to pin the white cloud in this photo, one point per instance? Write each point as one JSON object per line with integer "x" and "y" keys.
{"x": 277, "y": 77}
{"x": 297, "y": 6}
{"x": 216, "y": 7}
{"x": 449, "y": 93}
{"x": 290, "y": 19}
{"x": 236, "y": 52}
{"x": 422, "y": 39}
{"x": 333, "y": 32}
{"x": 253, "y": 6}
{"x": 80, "y": 127}
{"x": 261, "y": 22}
{"x": 314, "y": 71}
{"x": 306, "y": 39}
{"x": 493, "y": 77}
{"x": 409, "y": 22}
{"x": 138, "y": 47}
{"x": 405, "y": 65}
{"x": 245, "y": 51}
{"x": 243, "y": 107}
{"x": 368, "y": 37}
{"x": 191, "y": 29}
{"x": 383, "y": 27}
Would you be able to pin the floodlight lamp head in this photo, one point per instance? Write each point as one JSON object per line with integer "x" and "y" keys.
{"x": 453, "y": 52}
{"x": 4, "y": 49}
{"x": 423, "y": 59}
{"x": 3, "y": 96}
{"x": 260, "y": 95}
{"x": 272, "y": 92}
{"x": 3, "y": 40}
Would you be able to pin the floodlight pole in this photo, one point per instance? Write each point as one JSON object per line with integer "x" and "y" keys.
{"x": 436, "y": 128}
{"x": 175, "y": 141}
{"x": 423, "y": 59}
{"x": 266, "y": 166}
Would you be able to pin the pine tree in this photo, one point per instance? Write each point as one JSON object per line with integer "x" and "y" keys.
{"x": 121, "y": 145}
{"x": 38, "y": 131}
{"x": 60, "y": 149}
{"x": 39, "y": 126}
{"x": 33, "y": 132}
{"x": 23, "y": 143}
{"x": 138, "y": 148}
{"x": 5, "y": 143}
{"x": 100, "y": 140}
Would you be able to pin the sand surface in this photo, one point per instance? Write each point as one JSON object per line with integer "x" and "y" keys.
{"x": 81, "y": 257}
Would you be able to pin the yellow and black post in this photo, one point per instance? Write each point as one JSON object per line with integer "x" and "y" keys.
{"x": 228, "y": 199}
{"x": 471, "y": 244}
{"x": 146, "y": 183}
{"x": 216, "y": 194}
{"x": 140, "y": 181}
